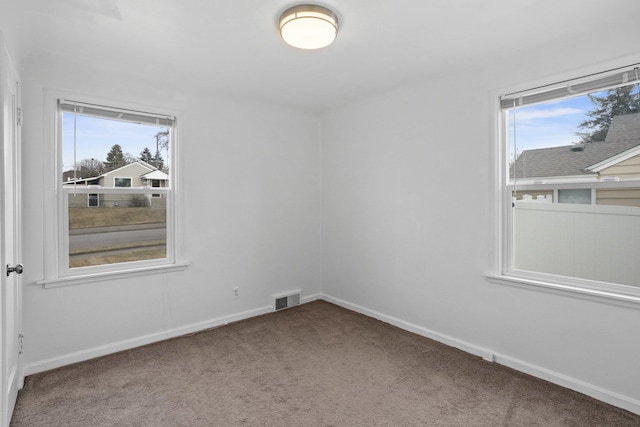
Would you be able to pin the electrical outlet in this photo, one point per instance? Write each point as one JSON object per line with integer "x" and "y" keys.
{"x": 235, "y": 292}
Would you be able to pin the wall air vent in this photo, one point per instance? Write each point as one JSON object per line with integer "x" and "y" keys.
{"x": 286, "y": 300}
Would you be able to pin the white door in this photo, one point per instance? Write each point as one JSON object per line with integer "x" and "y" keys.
{"x": 10, "y": 290}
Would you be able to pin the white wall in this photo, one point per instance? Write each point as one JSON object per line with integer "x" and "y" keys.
{"x": 408, "y": 227}
{"x": 252, "y": 213}
{"x": 399, "y": 171}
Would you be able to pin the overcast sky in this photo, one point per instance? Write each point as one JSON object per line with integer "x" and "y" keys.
{"x": 95, "y": 137}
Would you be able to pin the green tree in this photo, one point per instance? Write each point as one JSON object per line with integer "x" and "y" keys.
{"x": 614, "y": 102}
{"x": 146, "y": 156}
{"x": 158, "y": 161}
{"x": 115, "y": 158}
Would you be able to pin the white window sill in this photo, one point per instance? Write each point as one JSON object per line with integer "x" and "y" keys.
{"x": 607, "y": 296}
{"x": 110, "y": 275}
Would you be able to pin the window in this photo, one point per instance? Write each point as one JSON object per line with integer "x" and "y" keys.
{"x": 94, "y": 202}
{"x": 155, "y": 183}
{"x": 570, "y": 185}
{"x": 107, "y": 219}
{"x": 122, "y": 182}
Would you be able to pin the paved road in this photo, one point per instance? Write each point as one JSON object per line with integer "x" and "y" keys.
{"x": 96, "y": 240}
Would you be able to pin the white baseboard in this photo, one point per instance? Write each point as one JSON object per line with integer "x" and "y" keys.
{"x": 310, "y": 298}
{"x": 81, "y": 356}
{"x": 604, "y": 395}
{"x": 599, "y": 393}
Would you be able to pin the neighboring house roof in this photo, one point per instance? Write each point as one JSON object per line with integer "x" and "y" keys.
{"x": 68, "y": 175}
{"x": 156, "y": 174}
{"x": 128, "y": 166}
{"x": 623, "y": 128}
{"x": 120, "y": 170}
{"x": 572, "y": 160}
{"x": 83, "y": 181}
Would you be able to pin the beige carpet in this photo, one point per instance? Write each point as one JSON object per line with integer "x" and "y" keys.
{"x": 312, "y": 365}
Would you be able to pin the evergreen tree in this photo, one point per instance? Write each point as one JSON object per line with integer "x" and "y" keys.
{"x": 158, "y": 161}
{"x": 146, "y": 156}
{"x": 614, "y": 102}
{"x": 115, "y": 158}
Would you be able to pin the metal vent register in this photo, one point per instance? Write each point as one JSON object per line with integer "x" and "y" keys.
{"x": 287, "y": 300}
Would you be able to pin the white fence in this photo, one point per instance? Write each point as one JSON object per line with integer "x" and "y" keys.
{"x": 586, "y": 241}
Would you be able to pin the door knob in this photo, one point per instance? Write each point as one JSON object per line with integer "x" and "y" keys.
{"x": 18, "y": 269}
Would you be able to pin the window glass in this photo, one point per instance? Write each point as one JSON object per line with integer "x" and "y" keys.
{"x": 573, "y": 180}
{"x": 580, "y": 196}
{"x": 110, "y": 215}
{"x": 122, "y": 182}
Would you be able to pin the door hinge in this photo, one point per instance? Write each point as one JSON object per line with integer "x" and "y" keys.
{"x": 19, "y": 116}
{"x": 21, "y": 343}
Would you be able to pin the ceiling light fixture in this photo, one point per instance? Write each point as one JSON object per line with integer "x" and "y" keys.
{"x": 308, "y": 26}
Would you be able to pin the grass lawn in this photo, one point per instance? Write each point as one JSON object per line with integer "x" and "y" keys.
{"x": 114, "y": 258}
{"x": 104, "y": 217}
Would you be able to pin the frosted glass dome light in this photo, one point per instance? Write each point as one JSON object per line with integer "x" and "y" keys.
{"x": 308, "y": 26}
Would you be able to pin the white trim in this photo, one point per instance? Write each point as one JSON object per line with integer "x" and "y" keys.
{"x": 609, "y": 293}
{"x": 419, "y": 330}
{"x": 501, "y": 194}
{"x": 614, "y": 160}
{"x": 548, "y": 180}
{"x": 116, "y": 190}
{"x": 112, "y": 275}
{"x": 103, "y": 350}
{"x": 581, "y": 208}
{"x": 56, "y": 262}
{"x": 548, "y": 183}
{"x": 489, "y": 355}
{"x": 599, "y": 393}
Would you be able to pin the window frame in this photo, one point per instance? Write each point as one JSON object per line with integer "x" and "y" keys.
{"x": 56, "y": 272}
{"x": 90, "y": 197}
{"x": 115, "y": 182}
{"x": 502, "y": 272}
{"x": 155, "y": 195}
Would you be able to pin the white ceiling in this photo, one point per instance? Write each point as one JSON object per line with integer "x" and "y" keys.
{"x": 233, "y": 46}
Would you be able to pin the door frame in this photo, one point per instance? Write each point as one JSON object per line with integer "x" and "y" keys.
{"x": 11, "y": 377}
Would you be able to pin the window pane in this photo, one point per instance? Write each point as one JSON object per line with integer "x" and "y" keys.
{"x": 569, "y": 139}
{"x": 94, "y": 153}
{"x": 122, "y": 182}
{"x": 110, "y": 228}
{"x": 566, "y": 220}
{"x": 590, "y": 242}
{"x": 580, "y": 196}
{"x": 121, "y": 228}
